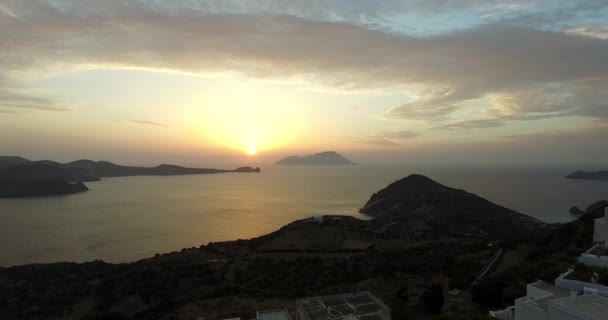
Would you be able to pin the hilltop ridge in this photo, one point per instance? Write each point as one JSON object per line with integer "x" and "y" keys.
{"x": 322, "y": 158}
{"x": 419, "y": 205}
{"x": 20, "y": 177}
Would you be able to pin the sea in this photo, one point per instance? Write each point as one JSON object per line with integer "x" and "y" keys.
{"x": 130, "y": 218}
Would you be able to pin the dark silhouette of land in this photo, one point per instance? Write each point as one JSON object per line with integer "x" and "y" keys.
{"x": 416, "y": 244}
{"x": 598, "y": 175}
{"x": 323, "y": 158}
{"x": 20, "y": 177}
{"x": 417, "y": 206}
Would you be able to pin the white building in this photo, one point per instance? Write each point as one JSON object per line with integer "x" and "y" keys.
{"x": 276, "y": 314}
{"x": 596, "y": 256}
{"x": 349, "y": 306}
{"x": 583, "y": 307}
{"x": 535, "y": 304}
{"x": 547, "y": 302}
{"x": 600, "y": 233}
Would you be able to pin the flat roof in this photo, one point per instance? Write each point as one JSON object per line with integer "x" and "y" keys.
{"x": 352, "y": 306}
{"x": 276, "y": 314}
{"x": 556, "y": 291}
{"x": 591, "y": 306}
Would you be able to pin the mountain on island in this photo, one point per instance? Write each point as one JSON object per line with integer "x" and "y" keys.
{"x": 323, "y": 158}
{"x": 598, "y": 175}
{"x": 10, "y": 161}
{"x": 20, "y": 177}
{"x": 417, "y": 205}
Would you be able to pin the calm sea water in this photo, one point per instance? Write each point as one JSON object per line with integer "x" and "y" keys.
{"x": 126, "y": 219}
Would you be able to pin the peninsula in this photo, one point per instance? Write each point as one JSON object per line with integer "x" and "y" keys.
{"x": 20, "y": 177}
{"x": 598, "y": 175}
{"x": 323, "y": 158}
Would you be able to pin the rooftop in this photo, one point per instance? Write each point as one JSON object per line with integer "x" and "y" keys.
{"x": 589, "y": 306}
{"x": 276, "y": 314}
{"x": 599, "y": 250}
{"x": 557, "y": 292}
{"x": 349, "y": 306}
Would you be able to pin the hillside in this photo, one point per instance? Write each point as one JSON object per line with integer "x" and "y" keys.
{"x": 10, "y": 161}
{"x": 316, "y": 256}
{"x": 423, "y": 208}
{"x": 323, "y": 158}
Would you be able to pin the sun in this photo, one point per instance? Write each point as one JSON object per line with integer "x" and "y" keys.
{"x": 251, "y": 150}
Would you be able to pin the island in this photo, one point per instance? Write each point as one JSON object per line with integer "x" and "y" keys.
{"x": 323, "y": 158}
{"x": 598, "y": 175}
{"x": 20, "y": 177}
{"x": 423, "y": 236}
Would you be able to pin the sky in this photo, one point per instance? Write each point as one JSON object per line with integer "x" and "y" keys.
{"x": 248, "y": 82}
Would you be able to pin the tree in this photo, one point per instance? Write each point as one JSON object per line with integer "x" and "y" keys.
{"x": 434, "y": 299}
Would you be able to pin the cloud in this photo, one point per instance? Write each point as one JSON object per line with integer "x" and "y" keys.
{"x": 514, "y": 70}
{"x": 379, "y": 142}
{"x": 389, "y": 138}
{"x": 150, "y": 123}
{"x": 399, "y": 135}
{"x": 600, "y": 32}
{"x": 26, "y": 100}
{"x": 554, "y": 17}
{"x": 474, "y": 124}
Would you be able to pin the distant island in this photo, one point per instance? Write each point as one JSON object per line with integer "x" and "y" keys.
{"x": 598, "y": 175}
{"x": 20, "y": 177}
{"x": 323, "y": 158}
{"x": 420, "y": 230}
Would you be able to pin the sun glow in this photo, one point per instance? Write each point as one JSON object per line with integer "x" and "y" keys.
{"x": 274, "y": 121}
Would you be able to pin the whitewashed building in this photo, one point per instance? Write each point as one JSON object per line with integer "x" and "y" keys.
{"x": 361, "y": 305}
{"x": 544, "y": 301}
{"x": 600, "y": 233}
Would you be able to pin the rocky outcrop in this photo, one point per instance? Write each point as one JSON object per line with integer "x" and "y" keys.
{"x": 38, "y": 179}
{"x": 323, "y": 158}
{"x": 598, "y": 175}
{"x": 429, "y": 209}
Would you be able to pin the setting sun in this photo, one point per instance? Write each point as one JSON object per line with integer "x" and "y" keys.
{"x": 251, "y": 150}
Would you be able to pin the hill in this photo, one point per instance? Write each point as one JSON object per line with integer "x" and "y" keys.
{"x": 423, "y": 208}
{"x": 38, "y": 179}
{"x": 323, "y": 158}
{"x": 9, "y": 161}
{"x": 20, "y": 177}
{"x": 598, "y": 175}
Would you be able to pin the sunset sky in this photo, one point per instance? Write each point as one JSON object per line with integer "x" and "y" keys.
{"x": 203, "y": 82}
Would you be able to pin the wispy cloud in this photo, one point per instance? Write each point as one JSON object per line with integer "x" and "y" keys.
{"x": 389, "y": 138}
{"x": 600, "y": 32}
{"x": 515, "y": 70}
{"x": 149, "y": 123}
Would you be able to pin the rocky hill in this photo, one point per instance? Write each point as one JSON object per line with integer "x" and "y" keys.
{"x": 323, "y": 158}
{"x": 426, "y": 208}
